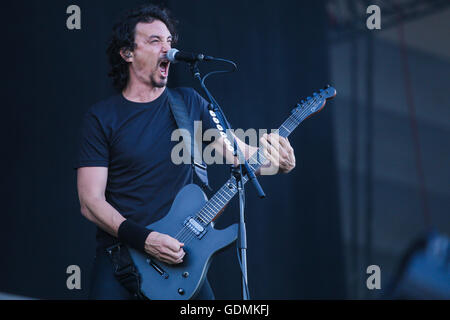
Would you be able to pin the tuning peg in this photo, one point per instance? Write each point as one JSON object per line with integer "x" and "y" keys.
{"x": 314, "y": 94}
{"x": 327, "y": 86}
{"x": 302, "y": 101}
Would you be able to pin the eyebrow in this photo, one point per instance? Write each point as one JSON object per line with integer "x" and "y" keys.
{"x": 156, "y": 36}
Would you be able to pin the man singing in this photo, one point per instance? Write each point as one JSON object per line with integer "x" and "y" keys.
{"x": 125, "y": 176}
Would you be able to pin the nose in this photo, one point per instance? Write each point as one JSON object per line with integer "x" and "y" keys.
{"x": 166, "y": 46}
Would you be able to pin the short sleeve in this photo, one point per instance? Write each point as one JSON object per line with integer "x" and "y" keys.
{"x": 93, "y": 147}
{"x": 205, "y": 117}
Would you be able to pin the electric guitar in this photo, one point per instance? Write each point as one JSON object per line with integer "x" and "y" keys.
{"x": 191, "y": 218}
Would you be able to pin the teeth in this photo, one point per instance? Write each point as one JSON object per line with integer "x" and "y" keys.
{"x": 163, "y": 66}
{"x": 163, "y": 70}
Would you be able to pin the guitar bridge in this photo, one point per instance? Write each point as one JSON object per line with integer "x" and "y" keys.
{"x": 195, "y": 226}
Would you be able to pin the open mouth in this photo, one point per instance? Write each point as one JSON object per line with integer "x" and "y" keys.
{"x": 164, "y": 67}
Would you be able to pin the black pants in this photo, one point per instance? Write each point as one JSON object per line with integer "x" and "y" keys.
{"x": 104, "y": 286}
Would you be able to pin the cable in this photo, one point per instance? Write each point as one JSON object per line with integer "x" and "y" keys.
{"x": 220, "y": 71}
{"x": 242, "y": 272}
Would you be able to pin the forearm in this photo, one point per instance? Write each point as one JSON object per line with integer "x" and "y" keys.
{"x": 91, "y": 192}
{"x": 100, "y": 212}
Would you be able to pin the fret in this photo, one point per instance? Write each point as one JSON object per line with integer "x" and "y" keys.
{"x": 218, "y": 199}
{"x": 291, "y": 123}
{"x": 216, "y": 208}
{"x": 202, "y": 217}
{"x": 295, "y": 118}
{"x": 209, "y": 210}
{"x": 284, "y": 131}
{"x": 225, "y": 191}
{"x": 226, "y": 195}
{"x": 206, "y": 214}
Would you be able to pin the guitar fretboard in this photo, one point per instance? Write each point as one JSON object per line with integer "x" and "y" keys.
{"x": 217, "y": 202}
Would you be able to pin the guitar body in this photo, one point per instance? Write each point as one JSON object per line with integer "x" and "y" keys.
{"x": 161, "y": 281}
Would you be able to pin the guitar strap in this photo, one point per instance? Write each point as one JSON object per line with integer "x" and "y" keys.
{"x": 124, "y": 269}
{"x": 185, "y": 123}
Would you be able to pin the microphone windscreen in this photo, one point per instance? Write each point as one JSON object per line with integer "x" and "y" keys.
{"x": 171, "y": 55}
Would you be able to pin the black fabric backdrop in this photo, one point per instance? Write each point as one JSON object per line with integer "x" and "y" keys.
{"x": 54, "y": 74}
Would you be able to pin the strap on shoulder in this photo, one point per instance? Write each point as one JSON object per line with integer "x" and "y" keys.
{"x": 179, "y": 111}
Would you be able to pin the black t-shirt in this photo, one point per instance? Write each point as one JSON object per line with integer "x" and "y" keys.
{"x": 134, "y": 141}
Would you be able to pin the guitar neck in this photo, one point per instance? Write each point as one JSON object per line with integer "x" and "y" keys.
{"x": 217, "y": 202}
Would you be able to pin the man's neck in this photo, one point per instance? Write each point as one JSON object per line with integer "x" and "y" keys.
{"x": 142, "y": 92}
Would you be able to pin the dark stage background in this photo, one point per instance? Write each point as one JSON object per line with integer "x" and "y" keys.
{"x": 54, "y": 74}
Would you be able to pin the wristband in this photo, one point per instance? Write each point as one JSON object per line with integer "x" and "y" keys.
{"x": 133, "y": 234}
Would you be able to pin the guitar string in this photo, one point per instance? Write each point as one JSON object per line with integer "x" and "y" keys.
{"x": 289, "y": 125}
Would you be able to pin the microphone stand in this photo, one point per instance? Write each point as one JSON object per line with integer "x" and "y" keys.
{"x": 238, "y": 173}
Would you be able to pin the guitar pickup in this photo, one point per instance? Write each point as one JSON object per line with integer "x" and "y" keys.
{"x": 194, "y": 226}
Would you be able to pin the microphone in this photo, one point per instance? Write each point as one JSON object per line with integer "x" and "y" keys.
{"x": 175, "y": 55}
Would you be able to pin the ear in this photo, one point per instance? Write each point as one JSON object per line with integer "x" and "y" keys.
{"x": 126, "y": 54}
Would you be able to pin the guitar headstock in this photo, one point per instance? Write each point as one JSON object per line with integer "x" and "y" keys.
{"x": 314, "y": 104}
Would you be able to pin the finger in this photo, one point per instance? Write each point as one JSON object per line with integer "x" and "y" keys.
{"x": 263, "y": 139}
{"x": 284, "y": 142}
{"x": 271, "y": 167}
{"x": 292, "y": 157}
{"x": 168, "y": 260}
{"x": 173, "y": 244}
{"x": 176, "y": 257}
{"x": 170, "y": 257}
{"x": 280, "y": 158}
{"x": 273, "y": 160}
{"x": 274, "y": 140}
{"x": 276, "y": 151}
{"x": 180, "y": 259}
{"x": 285, "y": 146}
{"x": 168, "y": 253}
{"x": 287, "y": 153}
{"x": 265, "y": 144}
{"x": 280, "y": 144}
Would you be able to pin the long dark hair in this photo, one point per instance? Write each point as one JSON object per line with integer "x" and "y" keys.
{"x": 123, "y": 38}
